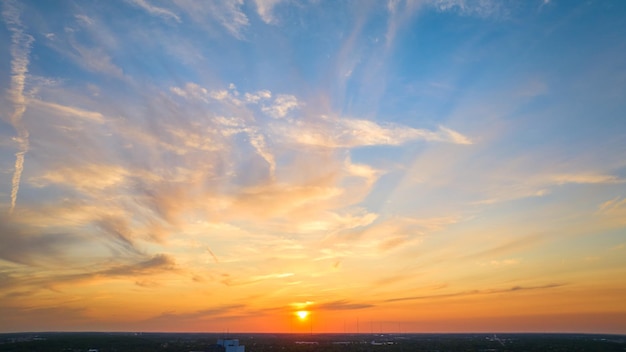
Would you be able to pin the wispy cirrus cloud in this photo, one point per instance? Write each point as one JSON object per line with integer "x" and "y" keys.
{"x": 349, "y": 133}
{"x": 480, "y": 8}
{"x": 612, "y": 205}
{"x": 587, "y": 178}
{"x": 265, "y": 9}
{"x": 342, "y": 305}
{"x": 400, "y": 12}
{"x": 228, "y": 14}
{"x": 70, "y": 111}
{"x": 511, "y": 246}
{"x": 477, "y": 292}
{"x": 155, "y": 10}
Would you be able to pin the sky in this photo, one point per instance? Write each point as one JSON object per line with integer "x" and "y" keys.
{"x": 386, "y": 166}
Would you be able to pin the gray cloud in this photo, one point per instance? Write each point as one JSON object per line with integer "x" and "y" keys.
{"x": 212, "y": 312}
{"x": 343, "y": 305}
{"x": 22, "y": 247}
{"x": 159, "y": 262}
{"x": 476, "y": 292}
{"x": 119, "y": 232}
{"x": 144, "y": 267}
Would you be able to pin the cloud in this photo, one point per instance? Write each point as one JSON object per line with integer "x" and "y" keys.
{"x": 402, "y": 11}
{"x": 258, "y": 142}
{"x": 21, "y": 44}
{"x": 208, "y": 313}
{"x": 393, "y": 242}
{"x": 342, "y": 305}
{"x": 193, "y": 91}
{"x": 155, "y": 264}
{"x": 280, "y": 199}
{"x": 86, "y": 178}
{"x": 322, "y": 131}
{"x": 478, "y": 8}
{"x": 120, "y": 232}
{"x": 282, "y": 105}
{"x": 542, "y": 183}
{"x": 190, "y": 91}
{"x": 613, "y": 211}
{"x": 90, "y": 44}
{"x": 363, "y": 171}
{"x": 476, "y": 292}
{"x": 380, "y": 236}
{"x": 335, "y": 222}
{"x": 95, "y": 59}
{"x": 154, "y": 10}
{"x": 512, "y": 246}
{"x": 615, "y": 204}
{"x": 135, "y": 269}
{"x": 351, "y": 133}
{"x": 258, "y": 96}
{"x": 586, "y": 178}
{"x": 69, "y": 111}
{"x": 232, "y": 18}
{"x": 29, "y": 247}
{"x": 265, "y": 9}
{"x": 227, "y": 13}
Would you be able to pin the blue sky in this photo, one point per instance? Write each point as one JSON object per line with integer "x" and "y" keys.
{"x": 460, "y": 158}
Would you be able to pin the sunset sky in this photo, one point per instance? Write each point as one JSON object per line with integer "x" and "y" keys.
{"x": 386, "y": 166}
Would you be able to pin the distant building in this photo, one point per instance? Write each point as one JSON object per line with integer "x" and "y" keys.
{"x": 231, "y": 345}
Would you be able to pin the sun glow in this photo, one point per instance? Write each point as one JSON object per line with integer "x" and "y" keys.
{"x": 302, "y": 314}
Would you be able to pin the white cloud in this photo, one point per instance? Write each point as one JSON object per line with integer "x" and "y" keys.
{"x": 282, "y": 105}
{"x": 154, "y": 10}
{"x": 348, "y": 133}
{"x": 586, "y": 178}
{"x": 227, "y": 13}
{"x": 254, "y": 98}
{"x": 233, "y": 18}
{"x": 191, "y": 91}
{"x": 258, "y": 142}
{"x": 84, "y": 19}
{"x": 480, "y": 8}
{"x": 70, "y": 111}
{"x": 219, "y": 94}
{"x": 265, "y": 9}
{"x": 364, "y": 171}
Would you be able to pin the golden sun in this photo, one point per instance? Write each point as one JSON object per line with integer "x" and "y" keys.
{"x": 302, "y": 314}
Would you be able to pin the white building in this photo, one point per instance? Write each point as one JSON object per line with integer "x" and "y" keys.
{"x": 231, "y": 345}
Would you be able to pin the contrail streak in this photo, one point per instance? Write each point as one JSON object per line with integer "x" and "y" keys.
{"x": 20, "y": 49}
